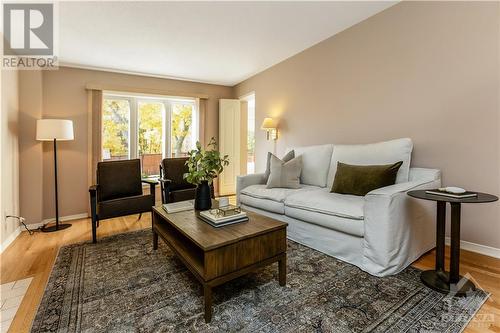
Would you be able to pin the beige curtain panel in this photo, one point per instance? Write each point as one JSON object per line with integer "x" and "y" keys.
{"x": 202, "y": 113}
{"x": 96, "y": 109}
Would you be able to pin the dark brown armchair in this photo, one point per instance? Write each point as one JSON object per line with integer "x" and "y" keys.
{"x": 118, "y": 192}
{"x": 173, "y": 185}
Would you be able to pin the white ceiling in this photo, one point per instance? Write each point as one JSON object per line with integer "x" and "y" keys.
{"x": 215, "y": 42}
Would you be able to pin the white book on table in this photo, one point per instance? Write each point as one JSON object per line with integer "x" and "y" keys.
{"x": 179, "y": 206}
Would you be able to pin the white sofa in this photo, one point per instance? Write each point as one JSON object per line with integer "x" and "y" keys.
{"x": 381, "y": 233}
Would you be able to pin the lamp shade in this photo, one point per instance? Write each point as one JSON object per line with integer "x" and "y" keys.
{"x": 268, "y": 123}
{"x": 50, "y": 129}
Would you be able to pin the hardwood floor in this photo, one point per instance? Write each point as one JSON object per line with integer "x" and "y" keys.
{"x": 33, "y": 256}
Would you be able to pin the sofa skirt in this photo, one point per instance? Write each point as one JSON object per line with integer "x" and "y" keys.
{"x": 337, "y": 244}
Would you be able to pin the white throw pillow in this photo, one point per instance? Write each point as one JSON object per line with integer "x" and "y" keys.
{"x": 386, "y": 152}
{"x": 315, "y": 164}
{"x": 288, "y": 156}
{"x": 284, "y": 174}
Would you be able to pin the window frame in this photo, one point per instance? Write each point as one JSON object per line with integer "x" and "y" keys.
{"x": 133, "y": 133}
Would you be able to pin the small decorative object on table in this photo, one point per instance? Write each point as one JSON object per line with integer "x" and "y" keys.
{"x": 452, "y": 192}
{"x": 204, "y": 165}
{"x": 226, "y": 211}
{"x": 223, "y": 201}
{"x": 222, "y": 216}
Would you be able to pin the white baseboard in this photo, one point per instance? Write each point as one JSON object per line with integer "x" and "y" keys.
{"x": 5, "y": 244}
{"x": 478, "y": 248}
{"x": 62, "y": 219}
{"x": 33, "y": 226}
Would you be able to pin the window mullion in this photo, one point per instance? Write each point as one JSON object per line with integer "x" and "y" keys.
{"x": 168, "y": 128}
{"x": 134, "y": 128}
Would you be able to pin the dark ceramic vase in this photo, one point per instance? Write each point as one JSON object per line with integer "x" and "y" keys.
{"x": 203, "y": 199}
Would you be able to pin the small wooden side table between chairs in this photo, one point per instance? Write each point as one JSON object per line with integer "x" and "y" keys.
{"x": 438, "y": 279}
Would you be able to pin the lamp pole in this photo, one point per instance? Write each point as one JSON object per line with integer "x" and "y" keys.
{"x": 55, "y": 183}
{"x": 53, "y": 130}
{"x": 58, "y": 226}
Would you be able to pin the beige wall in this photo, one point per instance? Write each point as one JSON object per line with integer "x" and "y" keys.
{"x": 64, "y": 96}
{"x": 9, "y": 152}
{"x": 30, "y": 151}
{"x": 426, "y": 70}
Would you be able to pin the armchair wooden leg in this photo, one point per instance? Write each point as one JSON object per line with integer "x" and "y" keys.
{"x": 140, "y": 216}
{"x": 94, "y": 230}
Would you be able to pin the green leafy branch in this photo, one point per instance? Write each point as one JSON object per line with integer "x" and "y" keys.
{"x": 205, "y": 164}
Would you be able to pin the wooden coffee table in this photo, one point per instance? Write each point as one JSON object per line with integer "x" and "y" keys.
{"x": 218, "y": 255}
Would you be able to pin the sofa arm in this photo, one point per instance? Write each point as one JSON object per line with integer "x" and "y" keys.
{"x": 398, "y": 188}
{"x": 245, "y": 181}
{"x": 397, "y": 228}
{"x": 421, "y": 174}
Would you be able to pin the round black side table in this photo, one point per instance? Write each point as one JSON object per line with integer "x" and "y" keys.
{"x": 438, "y": 279}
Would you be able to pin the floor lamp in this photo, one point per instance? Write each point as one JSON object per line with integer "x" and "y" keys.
{"x": 54, "y": 130}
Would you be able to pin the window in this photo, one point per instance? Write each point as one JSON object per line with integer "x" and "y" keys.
{"x": 148, "y": 128}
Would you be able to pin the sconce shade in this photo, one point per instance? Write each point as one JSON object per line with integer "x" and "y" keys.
{"x": 268, "y": 123}
{"x": 50, "y": 129}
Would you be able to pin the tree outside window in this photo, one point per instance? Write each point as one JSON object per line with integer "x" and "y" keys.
{"x": 182, "y": 119}
{"x": 115, "y": 129}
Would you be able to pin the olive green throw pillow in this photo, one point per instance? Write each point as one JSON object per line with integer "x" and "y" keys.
{"x": 361, "y": 179}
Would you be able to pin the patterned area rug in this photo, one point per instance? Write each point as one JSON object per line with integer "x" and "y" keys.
{"x": 122, "y": 285}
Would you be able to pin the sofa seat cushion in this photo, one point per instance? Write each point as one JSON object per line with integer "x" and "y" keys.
{"x": 264, "y": 204}
{"x": 341, "y": 224}
{"x": 125, "y": 206}
{"x": 270, "y": 199}
{"x": 324, "y": 202}
{"x": 277, "y": 194}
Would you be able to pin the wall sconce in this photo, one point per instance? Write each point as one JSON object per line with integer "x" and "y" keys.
{"x": 269, "y": 125}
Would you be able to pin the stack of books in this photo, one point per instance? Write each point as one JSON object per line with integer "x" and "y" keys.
{"x": 444, "y": 193}
{"x": 217, "y": 220}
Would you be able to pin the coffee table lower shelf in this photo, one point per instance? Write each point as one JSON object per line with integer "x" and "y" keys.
{"x": 215, "y": 266}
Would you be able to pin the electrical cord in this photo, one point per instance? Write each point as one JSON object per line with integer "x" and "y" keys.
{"x": 21, "y": 219}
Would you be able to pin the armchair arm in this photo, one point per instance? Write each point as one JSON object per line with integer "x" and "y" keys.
{"x": 152, "y": 190}
{"x": 164, "y": 181}
{"x": 245, "y": 181}
{"x": 150, "y": 181}
{"x": 397, "y": 228}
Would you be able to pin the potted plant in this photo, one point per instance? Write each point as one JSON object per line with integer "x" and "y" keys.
{"x": 204, "y": 165}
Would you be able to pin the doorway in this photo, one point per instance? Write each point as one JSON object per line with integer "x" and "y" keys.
{"x": 250, "y": 138}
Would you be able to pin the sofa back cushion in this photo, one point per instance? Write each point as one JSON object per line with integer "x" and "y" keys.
{"x": 386, "y": 152}
{"x": 315, "y": 163}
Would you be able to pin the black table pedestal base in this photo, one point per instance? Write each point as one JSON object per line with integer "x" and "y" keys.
{"x": 53, "y": 228}
{"x": 439, "y": 281}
